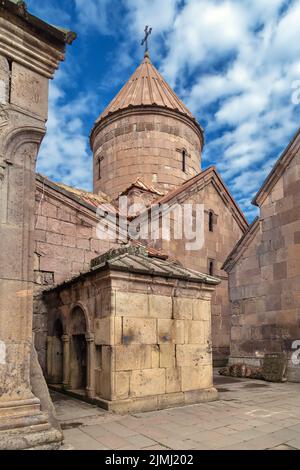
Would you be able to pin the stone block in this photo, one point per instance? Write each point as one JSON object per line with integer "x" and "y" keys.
{"x": 129, "y": 304}
{"x": 167, "y": 355}
{"x": 29, "y": 90}
{"x": 160, "y": 306}
{"x": 196, "y": 332}
{"x": 121, "y": 385}
{"x": 171, "y": 400}
{"x": 201, "y": 310}
{"x": 133, "y": 357}
{"x": 280, "y": 271}
{"x": 155, "y": 351}
{"x": 105, "y": 384}
{"x": 108, "y": 331}
{"x": 183, "y": 308}
{"x": 83, "y": 243}
{"x": 132, "y": 405}
{"x": 170, "y": 331}
{"x": 139, "y": 330}
{"x": 147, "y": 382}
{"x": 192, "y": 355}
{"x": 200, "y": 396}
{"x": 196, "y": 377}
{"x": 173, "y": 380}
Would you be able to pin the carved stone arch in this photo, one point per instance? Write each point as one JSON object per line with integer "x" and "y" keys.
{"x": 85, "y": 312}
{"x": 54, "y": 320}
{"x": 15, "y": 139}
{"x": 79, "y": 331}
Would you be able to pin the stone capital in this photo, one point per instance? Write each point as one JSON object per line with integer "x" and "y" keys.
{"x": 90, "y": 338}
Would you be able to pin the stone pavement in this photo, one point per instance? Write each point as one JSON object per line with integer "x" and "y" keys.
{"x": 250, "y": 414}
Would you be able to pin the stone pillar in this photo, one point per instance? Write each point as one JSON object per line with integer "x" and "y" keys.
{"x": 49, "y": 357}
{"x": 90, "y": 389}
{"x": 29, "y": 53}
{"x": 66, "y": 359}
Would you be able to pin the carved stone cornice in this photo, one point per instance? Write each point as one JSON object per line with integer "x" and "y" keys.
{"x": 31, "y": 51}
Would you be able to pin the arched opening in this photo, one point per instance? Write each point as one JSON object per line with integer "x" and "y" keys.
{"x": 78, "y": 350}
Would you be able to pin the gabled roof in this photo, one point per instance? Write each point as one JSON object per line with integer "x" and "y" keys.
{"x": 241, "y": 246}
{"x": 89, "y": 200}
{"x": 277, "y": 171}
{"x": 135, "y": 259}
{"x": 146, "y": 87}
{"x": 210, "y": 175}
{"x": 19, "y": 8}
{"x": 139, "y": 184}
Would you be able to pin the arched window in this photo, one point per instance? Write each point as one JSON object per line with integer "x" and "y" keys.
{"x": 183, "y": 160}
{"x": 211, "y": 221}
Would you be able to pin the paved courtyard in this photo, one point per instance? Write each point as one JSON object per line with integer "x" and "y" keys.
{"x": 250, "y": 414}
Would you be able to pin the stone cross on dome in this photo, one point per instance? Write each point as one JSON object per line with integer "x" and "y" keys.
{"x": 148, "y": 31}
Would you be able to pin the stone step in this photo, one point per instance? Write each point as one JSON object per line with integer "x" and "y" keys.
{"x": 16, "y": 422}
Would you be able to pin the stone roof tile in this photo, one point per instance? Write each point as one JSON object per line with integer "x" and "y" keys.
{"x": 146, "y": 87}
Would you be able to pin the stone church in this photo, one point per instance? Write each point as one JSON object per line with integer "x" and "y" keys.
{"x": 146, "y": 145}
{"x": 131, "y": 325}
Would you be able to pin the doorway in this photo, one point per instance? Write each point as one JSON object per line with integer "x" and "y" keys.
{"x": 56, "y": 373}
{"x": 78, "y": 350}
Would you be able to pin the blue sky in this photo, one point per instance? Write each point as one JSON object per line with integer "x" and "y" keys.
{"x": 233, "y": 62}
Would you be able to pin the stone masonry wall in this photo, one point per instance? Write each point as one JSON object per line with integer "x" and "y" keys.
{"x": 65, "y": 243}
{"x": 148, "y": 146}
{"x": 217, "y": 246}
{"x": 265, "y": 281}
{"x": 152, "y": 338}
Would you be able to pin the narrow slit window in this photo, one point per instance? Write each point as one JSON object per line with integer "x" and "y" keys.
{"x": 10, "y": 79}
{"x": 183, "y": 160}
{"x": 99, "y": 161}
{"x": 211, "y": 221}
{"x": 211, "y": 267}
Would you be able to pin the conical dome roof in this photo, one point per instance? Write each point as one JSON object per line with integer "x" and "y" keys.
{"x": 146, "y": 87}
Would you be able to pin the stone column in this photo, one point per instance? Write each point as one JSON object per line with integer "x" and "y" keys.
{"x": 90, "y": 389}
{"x": 66, "y": 360}
{"x": 49, "y": 357}
{"x": 29, "y": 54}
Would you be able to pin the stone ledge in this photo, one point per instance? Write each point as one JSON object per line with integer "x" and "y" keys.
{"x": 50, "y": 439}
{"x": 150, "y": 403}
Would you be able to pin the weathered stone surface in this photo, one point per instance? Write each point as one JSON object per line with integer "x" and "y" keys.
{"x": 139, "y": 330}
{"x": 23, "y": 113}
{"x": 173, "y": 380}
{"x": 148, "y": 382}
{"x": 133, "y": 356}
{"x": 265, "y": 302}
{"x": 196, "y": 377}
{"x": 183, "y": 308}
{"x": 108, "y": 330}
{"x": 160, "y": 306}
{"x": 131, "y": 304}
{"x": 167, "y": 355}
{"x": 192, "y": 354}
{"x": 171, "y": 331}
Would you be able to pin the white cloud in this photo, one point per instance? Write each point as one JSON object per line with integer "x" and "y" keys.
{"x": 65, "y": 152}
{"x": 233, "y": 62}
{"x": 251, "y": 50}
{"x": 97, "y": 15}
